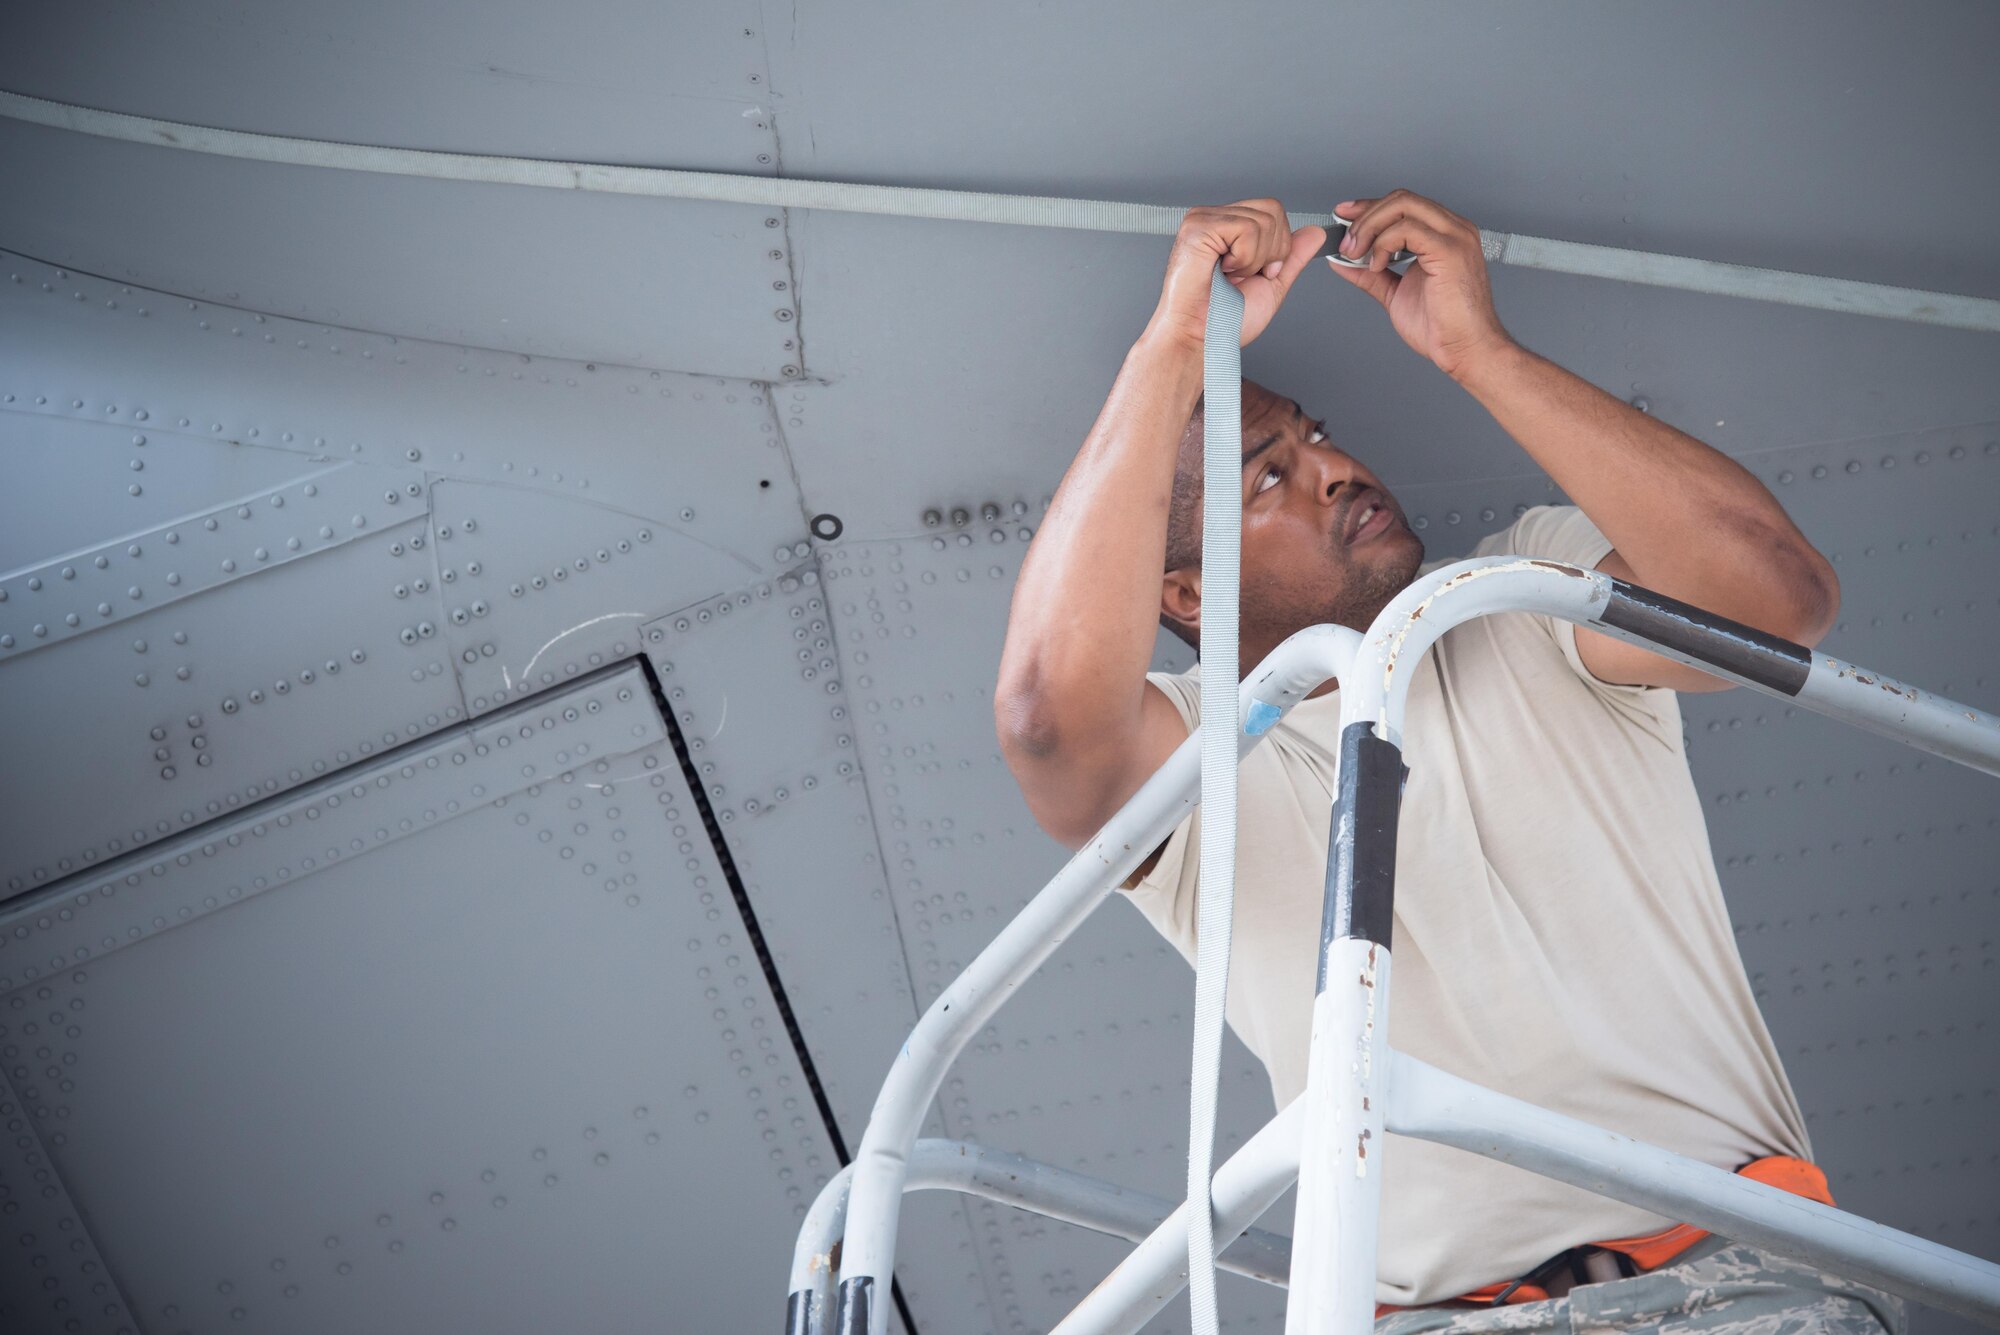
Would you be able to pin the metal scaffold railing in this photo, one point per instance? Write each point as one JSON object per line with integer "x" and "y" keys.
{"x": 1332, "y": 1262}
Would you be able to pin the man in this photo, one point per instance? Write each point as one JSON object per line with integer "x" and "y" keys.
{"x": 1560, "y": 933}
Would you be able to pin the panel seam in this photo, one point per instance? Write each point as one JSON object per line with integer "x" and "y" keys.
{"x": 726, "y": 859}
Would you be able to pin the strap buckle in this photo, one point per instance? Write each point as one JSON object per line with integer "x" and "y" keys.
{"x": 1336, "y": 232}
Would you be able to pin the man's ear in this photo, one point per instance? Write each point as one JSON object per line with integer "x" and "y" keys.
{"x": 1180, "y": 598}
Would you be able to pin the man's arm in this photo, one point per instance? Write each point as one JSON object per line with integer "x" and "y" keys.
{"x": 1078, "y": 722}
{"x": 1684, "y": 519}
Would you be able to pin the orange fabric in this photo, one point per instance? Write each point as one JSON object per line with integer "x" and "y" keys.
{"x": 1654, "y": 1250}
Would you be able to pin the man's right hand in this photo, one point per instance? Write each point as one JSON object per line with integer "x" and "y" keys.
{"x": 1261, "y": 256}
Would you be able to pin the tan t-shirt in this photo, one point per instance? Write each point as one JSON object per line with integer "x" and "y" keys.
{"x": 1560, "y": 934}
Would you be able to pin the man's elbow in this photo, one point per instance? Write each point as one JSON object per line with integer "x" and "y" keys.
{"x": 1025, "y": 723}
{"x": 1814, "y": 606}
{"x": 1042, "y": 753}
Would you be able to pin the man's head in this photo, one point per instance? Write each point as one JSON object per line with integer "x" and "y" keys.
{"x": 1303, "y": 500}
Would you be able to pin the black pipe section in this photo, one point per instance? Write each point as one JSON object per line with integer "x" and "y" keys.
{"x": 857, "y": 1295}
{"x": 1361, "y": 847}
{"x": 1718, "y": 641}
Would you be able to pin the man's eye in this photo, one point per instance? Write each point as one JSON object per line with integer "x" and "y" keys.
{"x": 1270, "y": 477}
{"x": 1318, "y": 434}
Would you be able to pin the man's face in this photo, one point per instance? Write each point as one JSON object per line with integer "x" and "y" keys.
{"x": 1323, "y": 541}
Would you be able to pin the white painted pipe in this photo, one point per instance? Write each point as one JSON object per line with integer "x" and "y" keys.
{"x": 1431, "y": 1105}
{"x": 1247, "y": 1185}
{"x": 1340, "y": 1157}
{"x": 1296, "y": 667}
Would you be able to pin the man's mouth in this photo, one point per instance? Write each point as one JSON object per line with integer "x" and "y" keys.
{"x": 1367, "y": 515}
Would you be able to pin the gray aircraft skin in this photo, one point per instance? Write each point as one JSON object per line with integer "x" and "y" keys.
{"x": 496, "y": 683}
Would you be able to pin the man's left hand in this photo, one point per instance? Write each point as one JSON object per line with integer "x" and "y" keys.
{"x": 1442, "y": 305}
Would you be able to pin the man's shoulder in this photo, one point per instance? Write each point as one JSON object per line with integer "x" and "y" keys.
{"x": 1183, "y": 692}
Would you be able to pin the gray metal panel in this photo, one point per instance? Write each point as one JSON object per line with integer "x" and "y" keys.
{"x": 652, "y": 442}
{"x": 507, "y": 1121}
{"x": 214, "y": 701}
{"x": 53, "y": 1273}
{"x": 264, "y": 441}
{"x": 67, "y": 472}
{"x": 541, "y": 589}
{"x": 1860, "y": 872}
{"x": 543, "y": 272}
{"x": 755, "y": 684}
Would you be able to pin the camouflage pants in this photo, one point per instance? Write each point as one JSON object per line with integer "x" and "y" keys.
{"x": 1716, "y": 1286}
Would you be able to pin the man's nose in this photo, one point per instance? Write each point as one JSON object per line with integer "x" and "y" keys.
{"x": 1328, "y": 476}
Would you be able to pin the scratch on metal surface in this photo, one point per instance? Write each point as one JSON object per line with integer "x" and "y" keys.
{"x": 571, "y": 631}
{"x": 723, "y": 721}
{"x": 618, "y": 779}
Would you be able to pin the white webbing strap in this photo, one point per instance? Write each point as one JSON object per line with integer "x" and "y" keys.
{"x": 1221, "y": 536}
